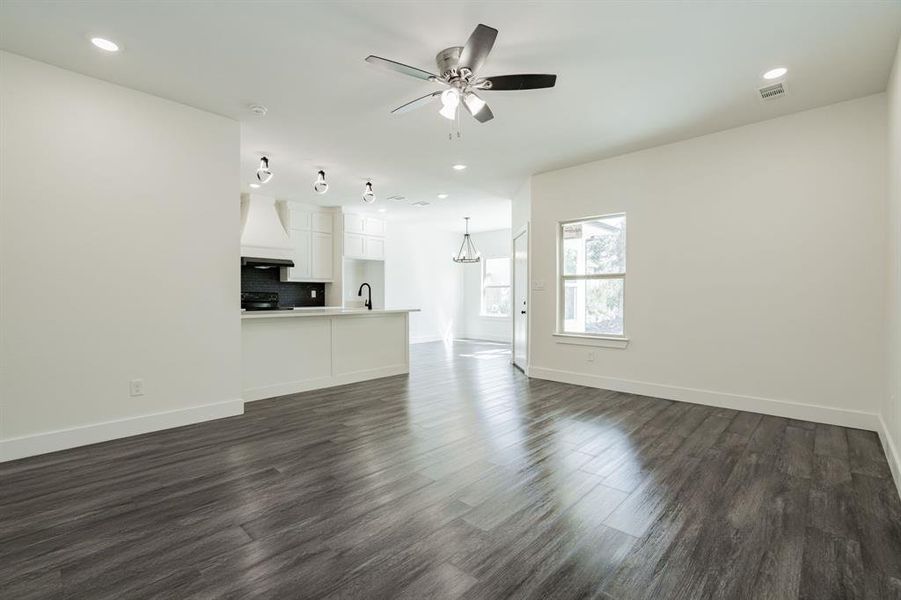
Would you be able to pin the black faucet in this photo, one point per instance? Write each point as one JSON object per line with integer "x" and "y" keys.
{"x": 367, "y": 303}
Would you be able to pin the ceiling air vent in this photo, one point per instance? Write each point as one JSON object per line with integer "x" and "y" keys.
{"x": 420, "y": 203}
{"x": 771, "y": 92}
{"x": 397, "y": 198}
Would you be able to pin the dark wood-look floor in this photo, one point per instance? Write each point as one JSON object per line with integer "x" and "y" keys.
{"x": 463, "y": 480}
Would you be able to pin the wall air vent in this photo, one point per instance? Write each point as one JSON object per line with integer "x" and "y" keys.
{"x": 397, "y": 198}
{"x": 420, "y": 203}
{"x": 771, "y": 92}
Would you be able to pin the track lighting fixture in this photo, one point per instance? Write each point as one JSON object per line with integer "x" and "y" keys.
{"x": 320, "y": 187}
{"x": 264, "y": 174}
{"x": 368, "y": 194}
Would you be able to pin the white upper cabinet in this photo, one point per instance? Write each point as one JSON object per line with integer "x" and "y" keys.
{"x": 353, "y": 223}
{"x": 299, "y": 218}
{"x": 311, "y": 238}
{"x": 322, "y": 222}
{"x": 354, "y": 245}
{"x": 302, "y": 257}
{"x": 374, "y": 248}
{"x": 322, "y": 255}
{"x": 373, "y": 227}
{"x": 364, "y": 237}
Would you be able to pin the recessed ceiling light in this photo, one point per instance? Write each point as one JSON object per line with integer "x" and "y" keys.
{"x": 442, "y": 196}
{"x": 105, "y": 44}
{"x": 459, "y": 167}
{"x": 383, "y": 210}
{"x": 775, "y": 73}
{"x": 254, "y": 185}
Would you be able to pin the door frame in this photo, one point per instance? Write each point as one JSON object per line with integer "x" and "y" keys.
{"x": 524, "y": 230}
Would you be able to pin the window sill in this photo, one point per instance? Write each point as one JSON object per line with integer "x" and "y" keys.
{"x": 602, "y": 341}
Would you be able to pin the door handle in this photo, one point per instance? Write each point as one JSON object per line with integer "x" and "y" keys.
{"x": 522, "y": 312}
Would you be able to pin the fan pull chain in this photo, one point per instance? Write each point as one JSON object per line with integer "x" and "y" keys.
{"x": 455, "y": 126}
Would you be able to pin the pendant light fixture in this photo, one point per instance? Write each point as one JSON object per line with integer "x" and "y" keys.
{"x": 264, "y": 173}
{"x": 320, "y": 187}
{"x": 368, "y": 194}
{"x": 468, "y": 252}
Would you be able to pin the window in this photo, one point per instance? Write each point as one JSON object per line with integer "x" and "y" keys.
{"x": 496, "y": 287}
{"x": 593, "y": 276}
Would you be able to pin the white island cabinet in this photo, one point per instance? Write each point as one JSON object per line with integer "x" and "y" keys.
{"x": 285, "y": 352}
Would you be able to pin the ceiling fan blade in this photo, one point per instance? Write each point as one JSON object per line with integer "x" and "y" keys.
{"x": 414, "y": 104}
{"x": 520, "y": 82}
{"x": 477, "y": 108}
{"x": 401, "y": 68}
{"x": 477, "y": 47}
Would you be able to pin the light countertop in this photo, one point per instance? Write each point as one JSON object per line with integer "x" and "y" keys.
{"x": 324, "y": 311}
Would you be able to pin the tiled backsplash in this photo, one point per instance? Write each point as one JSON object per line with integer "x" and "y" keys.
{"x": 289, "y": 293}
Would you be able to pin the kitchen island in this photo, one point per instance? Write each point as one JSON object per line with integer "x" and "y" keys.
{"x": 290, "y": 351}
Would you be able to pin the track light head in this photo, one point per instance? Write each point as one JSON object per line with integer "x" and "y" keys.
{"x": 264, "y": 173}
{"x": 320, "y": 186}
{"x": 368, "y": 194}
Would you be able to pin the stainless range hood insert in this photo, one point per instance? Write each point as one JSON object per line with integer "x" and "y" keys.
{"x": 265, "y": 263}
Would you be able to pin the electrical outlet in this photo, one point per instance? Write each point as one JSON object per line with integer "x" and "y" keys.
{"x": 312, "y": 293}
{"x": 591, "y": 357}
{"x": 136, "y": 387}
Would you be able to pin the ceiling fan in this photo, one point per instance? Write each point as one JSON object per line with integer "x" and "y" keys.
{"x": 459, "y": 68}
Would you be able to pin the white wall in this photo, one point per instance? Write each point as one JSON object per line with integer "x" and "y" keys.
{"x": 756, "y": 262}
{"x": 521, "y": 206}
{"x": 891, "y": 407}
{"x": 119, "y": 248}
{"x": 419, "y": 273}
{"x": 491, "y": 244}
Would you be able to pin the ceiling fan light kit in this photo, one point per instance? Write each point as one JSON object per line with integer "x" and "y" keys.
{"x": 459, "y": 68}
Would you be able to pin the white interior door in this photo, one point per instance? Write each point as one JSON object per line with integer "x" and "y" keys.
{"x": 520, "y": 300}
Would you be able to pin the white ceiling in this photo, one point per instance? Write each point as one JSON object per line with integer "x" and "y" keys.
{"x": 630, "y": 76}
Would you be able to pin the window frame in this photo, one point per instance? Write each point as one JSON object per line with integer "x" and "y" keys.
{"x": 482, "y": 287}
{"x": 589, "y": 339}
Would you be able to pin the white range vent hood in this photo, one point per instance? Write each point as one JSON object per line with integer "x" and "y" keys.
{"x": 262, "y": 233}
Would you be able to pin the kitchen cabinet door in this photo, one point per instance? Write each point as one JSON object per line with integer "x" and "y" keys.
{"x": 353, "y": 223}
{"x": 301, "y": 258}
{"x": 322, "y": 222}
{"x": 300, "y": 218}
{"x": 353, "y": 245}
{"x": 375, "y": 248}
{"x": 322, "y": 256}
{"x": 372, "y": 226}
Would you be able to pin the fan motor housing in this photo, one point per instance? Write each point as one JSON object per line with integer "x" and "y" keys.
{"x": 448, "y": 60}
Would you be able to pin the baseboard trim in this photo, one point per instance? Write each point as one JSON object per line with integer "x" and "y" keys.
{"x": 424, "y": 339}
{"x": 489, "y": 338}
{"x": 295, "y": 387}
{"x": 63, "y": 439}
{"x": 779, "y": 408}
{"x": 891, "y": 453}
